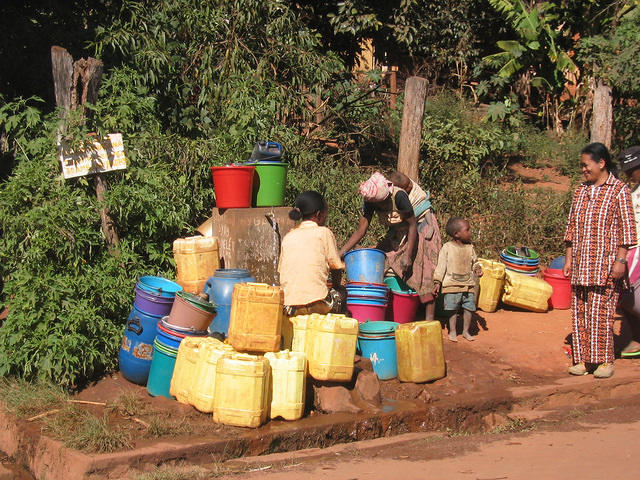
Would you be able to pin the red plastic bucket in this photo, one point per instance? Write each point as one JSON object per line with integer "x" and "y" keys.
{"x": 561, "y": 296}
{"x": 233, "y": 185}
{"x": 404, "y": 306}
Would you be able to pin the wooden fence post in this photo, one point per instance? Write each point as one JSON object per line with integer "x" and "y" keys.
{"x": 75, "y": 84}
{"x": 411, "y": 133}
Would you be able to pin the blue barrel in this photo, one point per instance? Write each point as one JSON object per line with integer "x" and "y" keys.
{"x": 162, "y": 366}
{"x": 220, "y": 289}
{"x": 136, "y": 350}
{"x": 365, "y": 265}
{"x": 377, "y": 342}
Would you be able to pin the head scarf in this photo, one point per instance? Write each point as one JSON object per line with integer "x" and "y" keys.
{"x": 375, "y": 189}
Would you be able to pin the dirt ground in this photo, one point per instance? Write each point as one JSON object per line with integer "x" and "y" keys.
{"x": 579, "y": 443}
{"x": 545, "y": 177}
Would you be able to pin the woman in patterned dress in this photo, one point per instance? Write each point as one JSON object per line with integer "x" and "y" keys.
{"x": 600, "y": 229}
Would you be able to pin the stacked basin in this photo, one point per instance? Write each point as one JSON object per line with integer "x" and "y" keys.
{"x": 154, "y": 299}
{"x": 377, "y": 342}
{"x": 521, "y": 260}
{"x": 367, "y": 301}
{"x": 404, "y": 301}
{"x": 367, "y": 295}
{"x": 190, "y": 316}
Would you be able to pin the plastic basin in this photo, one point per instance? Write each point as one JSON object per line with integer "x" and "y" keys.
{"x": 377, "y": 342}
{"x": 404, "y": 306}
{"x": 161, "y": 371}
{"x": 396, "y": 284}
{"x": 191, "y": 312}
{"x": 158, "y": 286}
{"x": 233, "y": 185}
{"x": 365, "y": 265}
{"x": 269, "y": 183}
{"x": 152, "y": 304}
{"x": 561, "y": 297}
{"x": 367, "y": 312}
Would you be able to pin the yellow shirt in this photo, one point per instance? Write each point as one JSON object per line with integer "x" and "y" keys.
{"x": 307, "y": 254}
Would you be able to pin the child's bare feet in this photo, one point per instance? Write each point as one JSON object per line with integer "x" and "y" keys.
{"x": 468, "y": 336}
{"x": 453, "y": 337}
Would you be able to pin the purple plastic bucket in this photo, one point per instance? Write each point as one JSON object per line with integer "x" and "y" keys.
{"x": 153, "y": 304}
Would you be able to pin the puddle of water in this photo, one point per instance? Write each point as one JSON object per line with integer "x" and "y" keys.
{"x": 390, "y": 405}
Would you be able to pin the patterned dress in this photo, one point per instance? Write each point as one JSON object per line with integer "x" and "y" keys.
{"x": 601, "y": 220}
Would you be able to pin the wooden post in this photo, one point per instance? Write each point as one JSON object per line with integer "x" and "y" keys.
{"x": 75, "y": 84}
{"x": 411, "y": 133}
{"x": 602, "y": 115}
{"x": 393, "y": 87}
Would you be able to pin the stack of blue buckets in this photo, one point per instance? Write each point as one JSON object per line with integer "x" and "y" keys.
{"x": 367, "y": 301}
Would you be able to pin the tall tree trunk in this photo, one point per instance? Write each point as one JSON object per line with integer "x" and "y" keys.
{"x": 602, "y": 116}
{"x": 411, "y": 133}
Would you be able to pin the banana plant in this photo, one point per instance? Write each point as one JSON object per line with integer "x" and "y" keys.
{"x": 535, "y": 54}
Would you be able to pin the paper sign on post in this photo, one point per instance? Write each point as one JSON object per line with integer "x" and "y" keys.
{"x": 103, "y": 155}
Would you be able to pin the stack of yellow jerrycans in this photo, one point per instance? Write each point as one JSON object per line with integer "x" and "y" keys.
{"x": 247, "y": 380}
{"x": 515, "y": 289}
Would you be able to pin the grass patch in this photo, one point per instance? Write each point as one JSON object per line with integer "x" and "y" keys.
{"x": 25, "y": 399}
{"x": 575, "y": 413}
{"x": 514, "y": 425}
{"x": 164, "y": 425}
{"x": 128, "y": 404}
{"x": 457, "y": 433}
{"x": 174, "y": 473}
{"x": 80, "y": 430}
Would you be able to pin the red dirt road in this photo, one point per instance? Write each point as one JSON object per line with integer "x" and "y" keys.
{"x": 587, "y": 446}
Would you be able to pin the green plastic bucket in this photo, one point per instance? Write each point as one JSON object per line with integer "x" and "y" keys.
{"x": 269, "y": 183}
{"x": 161, "y": 371}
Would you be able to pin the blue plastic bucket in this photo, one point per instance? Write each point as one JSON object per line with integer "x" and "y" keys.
{"x": 377, "y": 342}
{"x": 557, "y": 263}
{"x": 368, "y": 291}
{"x": 161, "y": 371}
{"x": 367, "y": 300}
{"x": 365, "y": 265}
{"x": 136, "y": 350}
{"x": 220, "y": 289}
{"x": 158, "y": 286}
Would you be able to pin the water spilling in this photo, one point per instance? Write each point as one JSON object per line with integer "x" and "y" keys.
{"x": 271, "y": 218}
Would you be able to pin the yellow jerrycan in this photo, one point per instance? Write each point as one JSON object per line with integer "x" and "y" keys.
{"x": 288, "y": 384}
{"x": 491, "y": 284}
{"x": 204, "y": 376}
{"x": 242, "y": 390}
{"x": 197, "y": 259}
{"x": 257, "y": 313}
{"x": 299, "y": 324}
{"x": 529, "y": 293}
{"x": 419, "y": 351}
{"x": 330, "y": 346}
{"x": 182, "y": 378}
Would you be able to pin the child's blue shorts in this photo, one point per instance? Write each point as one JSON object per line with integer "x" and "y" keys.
{"x": 466, "y": 300}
